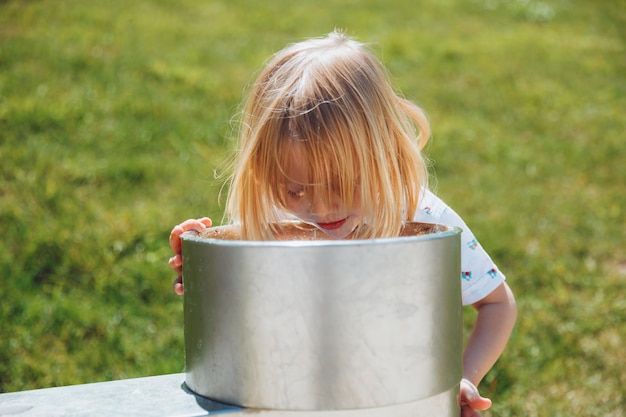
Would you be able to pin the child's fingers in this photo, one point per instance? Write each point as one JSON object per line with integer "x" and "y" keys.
{"x": 470, "y": 397}
{"x": 467, "y": 411}
{"x": 191, "y": 224}
{"x": 175, "y": 243}
{"x": 178, "y": 285}
{"x": 176, "y": 263}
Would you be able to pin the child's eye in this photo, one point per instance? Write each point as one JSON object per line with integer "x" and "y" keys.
{"x": 295, "y": 194}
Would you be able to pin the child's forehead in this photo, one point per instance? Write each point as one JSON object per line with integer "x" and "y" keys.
{"x": 304, "y": 166}
{"x": 296, "y": 166}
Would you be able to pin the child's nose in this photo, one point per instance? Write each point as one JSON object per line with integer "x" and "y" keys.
{"x": 322, "y": 206}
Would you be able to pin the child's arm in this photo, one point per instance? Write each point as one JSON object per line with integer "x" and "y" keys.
{"x": 496, "y": 316}
{"x": 176, "y": 261}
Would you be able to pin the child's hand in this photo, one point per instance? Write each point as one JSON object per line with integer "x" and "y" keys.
{"x": 471, "y": 400}
{"x": 176, "y": 261}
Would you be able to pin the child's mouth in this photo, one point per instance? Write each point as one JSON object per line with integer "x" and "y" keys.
{"x": 332, "y": 225}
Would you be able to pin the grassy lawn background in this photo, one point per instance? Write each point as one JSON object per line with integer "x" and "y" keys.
{"x": 114, "y": 116}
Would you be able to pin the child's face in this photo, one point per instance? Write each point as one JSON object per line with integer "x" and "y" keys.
{"x": 332, "y": 217}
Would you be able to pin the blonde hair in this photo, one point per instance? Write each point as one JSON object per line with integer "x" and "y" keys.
{"x": 333, "y": 98}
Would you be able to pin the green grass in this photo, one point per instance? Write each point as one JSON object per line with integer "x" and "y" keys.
{"x": 114, "y": 116}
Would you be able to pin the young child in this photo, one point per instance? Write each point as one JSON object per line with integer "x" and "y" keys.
{"x": 326, "y": 140}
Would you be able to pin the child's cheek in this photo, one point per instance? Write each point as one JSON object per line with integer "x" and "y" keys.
{"x": 297, "y": 208}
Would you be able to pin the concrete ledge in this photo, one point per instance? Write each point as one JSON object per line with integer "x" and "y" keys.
{"x": 167, "y": 396}
{"x": 157, "y": 396}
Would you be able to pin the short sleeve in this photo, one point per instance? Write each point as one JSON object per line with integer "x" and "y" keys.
{"x": 479, "y": 274}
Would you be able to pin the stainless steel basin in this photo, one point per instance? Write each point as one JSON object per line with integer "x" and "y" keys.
{"x": 311, "y": 324}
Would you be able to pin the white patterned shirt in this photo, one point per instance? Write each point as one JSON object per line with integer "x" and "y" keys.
{"x": 479, "y": 274}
